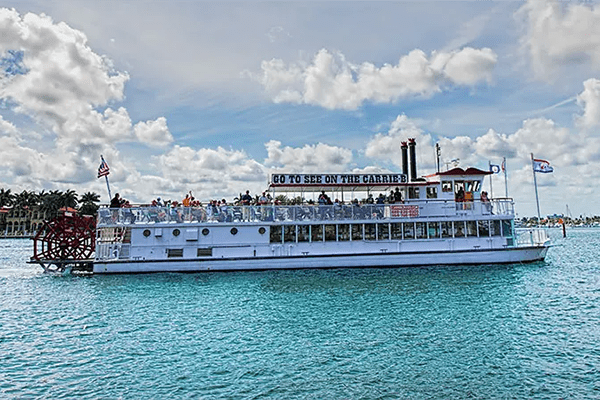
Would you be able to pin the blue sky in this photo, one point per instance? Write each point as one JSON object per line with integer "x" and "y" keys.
{"x": 213, "y": 97}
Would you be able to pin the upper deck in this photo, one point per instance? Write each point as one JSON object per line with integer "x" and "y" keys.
{"x": 432, "y": 209}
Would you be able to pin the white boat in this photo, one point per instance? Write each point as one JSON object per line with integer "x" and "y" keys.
{"x": 435, "y": 224}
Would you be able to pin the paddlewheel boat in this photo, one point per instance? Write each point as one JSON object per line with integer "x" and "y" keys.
{"x": 441, "y": 220}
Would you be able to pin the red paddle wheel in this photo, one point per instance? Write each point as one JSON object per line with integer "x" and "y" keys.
{"x": 67, "y": 240}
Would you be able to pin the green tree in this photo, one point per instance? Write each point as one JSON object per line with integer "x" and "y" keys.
{"x": 89, "y": 204}
{"x": 50, "y": 203}
{"x": 6, "y": 198}
{"x": 70, "y": 198}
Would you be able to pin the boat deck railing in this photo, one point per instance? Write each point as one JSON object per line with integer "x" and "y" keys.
{"x": 433, "y": 208}
{"x": 532, "y": 237}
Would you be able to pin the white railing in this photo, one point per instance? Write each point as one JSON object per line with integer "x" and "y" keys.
{"x": 532, "y": 237}
{"x": 308, "y": 212}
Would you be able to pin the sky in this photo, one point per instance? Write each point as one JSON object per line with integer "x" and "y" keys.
{"x": 213, "y": 97}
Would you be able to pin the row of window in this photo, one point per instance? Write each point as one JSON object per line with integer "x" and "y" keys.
{"x": 390, "y": 231}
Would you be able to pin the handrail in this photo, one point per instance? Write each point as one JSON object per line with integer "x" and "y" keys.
{"x": 429, "y": 208}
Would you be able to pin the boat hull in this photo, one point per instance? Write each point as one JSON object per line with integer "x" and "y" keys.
{"x": 387, "y": 259}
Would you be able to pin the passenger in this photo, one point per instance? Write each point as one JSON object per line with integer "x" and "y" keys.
{"x": 263, "y": 200}
{"x": 397, "y": 196}
{"x": 370, "y": 199}
{"x": 246, "y": 199}
{"x": 381, "y": 199}
{"x": 188, "y": 200}
{"x": 486, "y": 201}
{"x": 116, "y": 202}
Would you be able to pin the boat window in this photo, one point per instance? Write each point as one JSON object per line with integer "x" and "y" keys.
{"x": 484, "y": 228}
{"x": 383, "y": 231}
{"x": 506, "y": 228}
{"x": 289, "y": 233}
{"x": 421, "y": 230}
{"x": 330, "y": 233}
{"x": 446, "y": 229}
{"x": 409, "y": 230}
{"x": 413, "y": 192}
{"x": 370, "y": 232}
{"x": 471, "y": 228}
{"x": 357, "y": 232}
{"x": 303, "y": 233}
{"x": 432, "y": 192}
{"x": 343, "y": 232}
{"x": 316, "y": 233}
{"x": 174, "y": 252}
{"x": 446, "y": 186}
{"x": 433, "y": 230}
{"x": 459, "y": 229}
{"x": 275, "y": 236}
{"x": 204, "y": 252}
{"x": 396, "y": 230}
{"x": 495, "y": 227}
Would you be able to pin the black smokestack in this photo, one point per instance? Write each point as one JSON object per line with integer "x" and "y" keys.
{"x": 404, "y": 148}
{"x": 413, "y": 159}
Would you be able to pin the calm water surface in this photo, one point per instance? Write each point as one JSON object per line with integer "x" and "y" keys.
{"x": 487, "y": 332}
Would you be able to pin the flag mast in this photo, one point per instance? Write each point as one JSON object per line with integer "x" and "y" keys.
{"x": 491, "y": 179}
{"x": 104, "y": 171}
{"x": 505, "y": 178}
{"x": 537, "y": 200}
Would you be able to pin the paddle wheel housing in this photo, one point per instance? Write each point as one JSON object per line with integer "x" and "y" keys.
{"x": 67, "y": 241}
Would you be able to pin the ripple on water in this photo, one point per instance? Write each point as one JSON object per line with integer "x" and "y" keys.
{"x": 513, "y": 331}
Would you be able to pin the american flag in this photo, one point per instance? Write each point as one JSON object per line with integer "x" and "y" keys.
{"x": 103, "y": 169}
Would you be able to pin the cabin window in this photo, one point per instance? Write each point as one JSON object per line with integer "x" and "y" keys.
{"x": 446, "y": 186}
{"x": 433, "y": 230}
{"x": 396, "y": 230}
{"x": 204, "y": 252}
{"x": 409, "y": 230}
{"x": 343, "y": 232}
{"x": 446, "y": 229}
{"x": 383, "y": 231}
{"x": 289, "y": 233}
{"x": 495, "y": 227}
{"x": 484, "y": 228}
{"x": 506, "y": 228}
{"x": 330, "y": 232}
{"x": 316, "y": 233}
{"x": 459, "y": 229}
{"x": 472, "y": 186}
{"x": 174, "y": 252}
{"x": 413, "y": 192}
{"x": 303, "y": 233}
{"x": 432, "y": 192}
{"x": 275, "y": 236}
{"x": 357, "y": 233}
{"x": 421, "y": 230}
{"x": 370, "y": 232}
{"x": 471, "y": 228}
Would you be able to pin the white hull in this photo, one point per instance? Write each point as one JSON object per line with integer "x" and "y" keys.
{"x": 402, "y": 259}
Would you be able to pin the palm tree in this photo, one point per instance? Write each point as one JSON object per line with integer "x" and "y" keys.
{"x": 70, "y": 198}
{"x": 88, "y": 203}
{"x": 6, "y": 198}
{"x": 50, "y": 203}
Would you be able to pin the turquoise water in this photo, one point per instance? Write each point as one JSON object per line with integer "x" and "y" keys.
{"x": 486, "y": 332}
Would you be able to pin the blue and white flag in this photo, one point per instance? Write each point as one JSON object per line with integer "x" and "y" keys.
{"x": 542, "y": 166}
{"x": 494, "y": 169}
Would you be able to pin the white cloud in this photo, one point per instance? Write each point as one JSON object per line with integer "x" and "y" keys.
{"x": 308, "y": 159}
{"x": 51, "y": 75}
{"x": 332, "y": 82}
{"x": 154, "y": 133}
{"x": 589, "y": 99}
{"x": 560, "y": 34}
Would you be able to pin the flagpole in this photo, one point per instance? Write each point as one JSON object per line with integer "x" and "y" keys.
{"x": 537, "y": 200}
{"x": 491, "y": 179}
{"x": 505, "y": 178}
{"x": 106, "y": 177}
